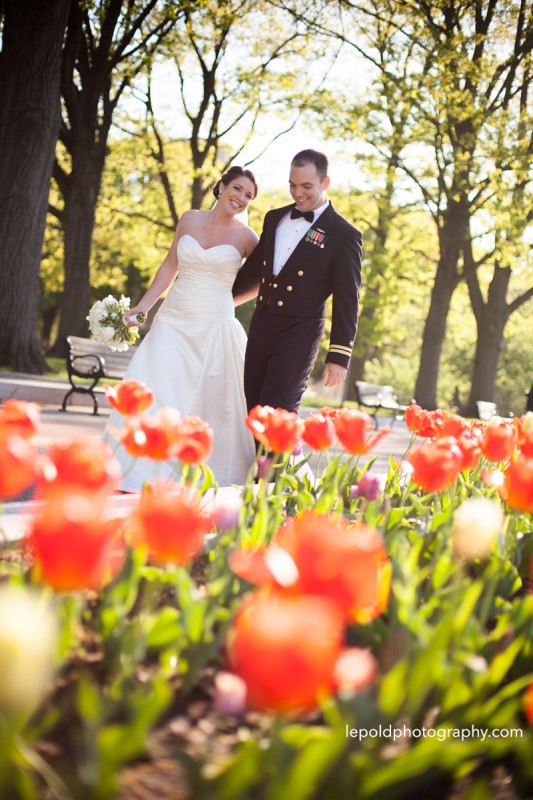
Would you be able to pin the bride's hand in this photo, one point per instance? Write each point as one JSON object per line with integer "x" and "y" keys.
{"x": 130, "y": 317}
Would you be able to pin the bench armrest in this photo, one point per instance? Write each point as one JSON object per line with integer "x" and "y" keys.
{"x": 94, "y": 366}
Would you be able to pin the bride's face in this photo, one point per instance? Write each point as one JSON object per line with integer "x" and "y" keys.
{"x": 237, "y": 195}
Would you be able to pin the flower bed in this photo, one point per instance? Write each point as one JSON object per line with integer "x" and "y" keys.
{"x": 342, "y": 635}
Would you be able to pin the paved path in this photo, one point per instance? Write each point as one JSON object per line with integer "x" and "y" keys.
{"x": 57, "y": 425}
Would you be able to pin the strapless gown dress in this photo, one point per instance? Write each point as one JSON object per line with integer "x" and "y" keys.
{"x": 193, "y": 360}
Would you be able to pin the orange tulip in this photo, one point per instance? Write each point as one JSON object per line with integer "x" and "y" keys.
{"x": 171, "y": 524}
{"x": 285, "y": 650}
{"x": 19, "y": 417}
{"x": 84, "y": 463}
{"x": 195, "y": 441}
{"x": 17, "y": 471}
{"x": 524, "y": 427}
{"x": 354, "y": 428}
{"x": 436, "y": 464}
{"x": 345, "y": 562}
{"x": 528, "y": 704}
{"x": 132, "y": 437}
{"x": 131, "y": 397}
{"x": 318, "y": 431}
{"x": 73, "y": 546}
{"x": 162, "y": 433}
{"x": 277, "y": 429}
{"x": 518, "y": 485}
{"x": 499, "y": 440}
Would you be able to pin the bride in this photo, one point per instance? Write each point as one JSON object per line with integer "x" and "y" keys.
{"x": 192, "y": 358}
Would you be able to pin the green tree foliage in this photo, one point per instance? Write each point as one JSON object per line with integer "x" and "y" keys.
{"x": 234, "y": 62}
{"x": 106, "y": 44}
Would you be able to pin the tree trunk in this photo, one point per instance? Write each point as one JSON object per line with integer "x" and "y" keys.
{"x": 451, "y": 241}
{"x": 80, "y": 196}
{"x": 490, "y": 327}
{"x": 29, "y": 123}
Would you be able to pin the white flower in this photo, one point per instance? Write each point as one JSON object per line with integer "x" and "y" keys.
{"x": 476, "y": 525}
{"x": 107, "y": 325}
{"x": 28, "y": 639}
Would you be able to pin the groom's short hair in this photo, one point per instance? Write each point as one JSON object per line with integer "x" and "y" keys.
{"x": 312, "y": 157}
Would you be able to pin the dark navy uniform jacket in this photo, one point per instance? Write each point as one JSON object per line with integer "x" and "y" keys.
{"x": 327, "y": 261}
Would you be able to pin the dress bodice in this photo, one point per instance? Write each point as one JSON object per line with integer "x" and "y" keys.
{"x": 202, "y": 289}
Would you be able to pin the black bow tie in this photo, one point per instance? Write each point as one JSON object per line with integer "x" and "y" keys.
{"x": 308, "y": 215}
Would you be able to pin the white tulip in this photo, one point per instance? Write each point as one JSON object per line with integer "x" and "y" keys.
{"x": 28, "y": 641}
{"x": 476, "y": 525}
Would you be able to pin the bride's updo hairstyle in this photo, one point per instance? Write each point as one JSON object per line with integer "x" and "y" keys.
{"x": 231, "y": 175}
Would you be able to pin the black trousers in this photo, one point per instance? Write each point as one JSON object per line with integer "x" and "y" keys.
{"x": 280, "y": 355}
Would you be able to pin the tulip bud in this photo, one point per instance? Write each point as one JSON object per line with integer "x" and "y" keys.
{"x": 28, "y": 638}
{"x": 226, "y": 510}
{"x": 476, "y": 524}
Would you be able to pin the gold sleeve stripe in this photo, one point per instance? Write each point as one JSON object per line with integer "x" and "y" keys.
{"x": 338, "y": 348}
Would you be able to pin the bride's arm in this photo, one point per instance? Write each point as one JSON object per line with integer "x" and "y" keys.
{"x": 163, "y": 278}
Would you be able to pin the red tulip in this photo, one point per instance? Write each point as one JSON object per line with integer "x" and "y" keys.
{"x": 427, "y": 424}
{"x": 518, "y": 485}
{"x": 74, "y": 547}
{"x": 17, "y": 459}
{"x": 19, "y": 417}
{"x": 453, "y": 425}
{"x": 195, "y": 441}
{"x": 285, "y": 650}
{"x": 131, "y": 397}
{"x": 436, "y": 464}
{"x": 470, "y": 448}
{"x": 498, "y": 440}
{"x": 328, "y": 411}
{"x": 279, "y": 430}
{"x": 318, "y": 431}
{"x": 354, "y": 428}
{"x": 170, "y": 523}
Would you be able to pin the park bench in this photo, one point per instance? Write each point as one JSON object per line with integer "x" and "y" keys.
{"x": 486, "y": 410}
{"x": 89, "y": 360}
{"x": 375, "y": 396}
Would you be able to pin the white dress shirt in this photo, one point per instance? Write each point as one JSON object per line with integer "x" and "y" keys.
{"x": 288, "y": 233}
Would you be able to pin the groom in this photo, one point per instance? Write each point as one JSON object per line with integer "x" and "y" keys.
{"x": 306, "y": 253}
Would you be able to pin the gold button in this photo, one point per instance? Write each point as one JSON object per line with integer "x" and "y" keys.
{"x": 280, "y": 302}
{"x": 260, "y": 296}
{"x": 262, "y": 280}
{"x": 300, "y": 272}
{"x": 274, "y": 285}
{"x": 289, "y": 288}
{"x": 264, "y": 263}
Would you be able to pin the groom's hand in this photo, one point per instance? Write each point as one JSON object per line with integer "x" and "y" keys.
{"x": 333, "y": 374}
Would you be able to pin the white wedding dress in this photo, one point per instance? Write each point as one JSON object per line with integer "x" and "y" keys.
{"x": 192, "y": 359}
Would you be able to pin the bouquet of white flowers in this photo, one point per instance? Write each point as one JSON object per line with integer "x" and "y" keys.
{"x": 106, "y": 322}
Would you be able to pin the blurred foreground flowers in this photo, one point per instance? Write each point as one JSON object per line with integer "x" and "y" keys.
{"x": 286, "y": 611}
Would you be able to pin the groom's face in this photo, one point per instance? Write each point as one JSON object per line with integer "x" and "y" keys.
{"x": 306, "y": 187}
